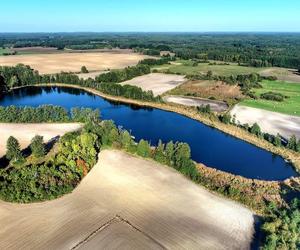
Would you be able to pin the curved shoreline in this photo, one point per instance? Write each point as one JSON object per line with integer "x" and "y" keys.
{"x": 191, "y": 113}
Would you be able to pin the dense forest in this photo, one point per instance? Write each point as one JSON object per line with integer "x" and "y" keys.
{"x": 255, "y": 49}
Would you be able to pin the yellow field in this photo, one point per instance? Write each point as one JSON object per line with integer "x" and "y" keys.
{"x": 72, "y": 62}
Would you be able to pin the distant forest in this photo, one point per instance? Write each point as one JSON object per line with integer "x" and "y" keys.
{"x": 258, "y": 50}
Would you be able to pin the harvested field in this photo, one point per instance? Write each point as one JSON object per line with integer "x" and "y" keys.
{"x": 72, "y": 62}
{"x": 157, "y": 82}
{"x": 208, "y": 89}
{"x": 289, "y": 75}
{"x": 36, "y": 50}
{"x": 25, "y": 132}
{"x": 216, "y": 106}
{"x": 270, "y": 122}
{"x": 130, "y": 203}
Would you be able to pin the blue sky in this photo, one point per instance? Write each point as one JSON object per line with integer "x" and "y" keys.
{"x": 149, "y": 15}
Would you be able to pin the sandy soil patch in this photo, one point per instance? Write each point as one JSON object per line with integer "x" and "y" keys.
{"x": 131, "y": 201}
{"x": 270, "y": 122}
{"x": 157, "y": 82}
{"x": 72, "y": 62}
{"x": 25, "y": 132}
{"x": 216, "y": 106}
{"x": 289, "y": 75}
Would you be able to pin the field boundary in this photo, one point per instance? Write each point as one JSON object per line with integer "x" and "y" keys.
{"x": 116, "y": 219}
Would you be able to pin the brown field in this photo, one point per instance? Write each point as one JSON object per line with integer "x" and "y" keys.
{"x": 289, "y": 75}
{"x": 72, "y": 62}
{"x": 157, "y": 82}
{"x": 36, "y": 50}
{"x": 129, "y": 203}
{"x": 25, "y": 132}
{"x": 270, "y": 122}
{"x": 216, "y": 106}
{"x": 207, "y": 89}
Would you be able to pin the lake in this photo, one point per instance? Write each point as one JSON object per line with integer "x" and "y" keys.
{"x": 209, "y": 146}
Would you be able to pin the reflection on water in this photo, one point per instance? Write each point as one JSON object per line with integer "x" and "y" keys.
{"x": 209, "y": 146}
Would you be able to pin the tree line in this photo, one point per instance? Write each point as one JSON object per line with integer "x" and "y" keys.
{"x": 46, "y": 113}
{"x": 21, "y": 75}
{"x": 277, "y": 140}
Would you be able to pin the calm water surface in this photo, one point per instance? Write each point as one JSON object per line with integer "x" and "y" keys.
{"x": 209, "y": 146}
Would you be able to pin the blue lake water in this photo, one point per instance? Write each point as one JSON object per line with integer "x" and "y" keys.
{"x": 209, "y": 146}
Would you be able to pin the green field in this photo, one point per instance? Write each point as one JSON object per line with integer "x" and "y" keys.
{"x": 290, "y": 105}
{"x": 2, "y": 51}
{"x": 185, "y": 67}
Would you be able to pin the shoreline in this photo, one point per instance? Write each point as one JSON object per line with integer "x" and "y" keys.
{"x": 288, "y": 155}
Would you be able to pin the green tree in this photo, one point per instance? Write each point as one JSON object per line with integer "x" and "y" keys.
{"x": 255, "y": 129}
{"x": 159, "y": 154}
{"x": 13, "y": 82}
{"x": 169, "y": 151}
{"x": 292, "y": 144}
{"x": 226, "y": 118}
{"x": 126, "y": 140}
{"x": 143, "y": 148}
{"x": 13, "y": 149}
{"x": 277, "y": 140}
{"x": 182, "y": 155}
{"x": 37, "y": 146}
{"x": 84, "y": 70}
{"x": 209, "y": 74}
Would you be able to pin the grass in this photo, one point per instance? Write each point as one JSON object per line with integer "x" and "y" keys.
{"x": 290, "y": 105}
{"x": 2, "y": 51}
{"x": 185, "y": 67}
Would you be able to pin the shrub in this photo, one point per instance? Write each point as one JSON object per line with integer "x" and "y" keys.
{"x": 84, "y": 70}
{"x": 273, "y": 96}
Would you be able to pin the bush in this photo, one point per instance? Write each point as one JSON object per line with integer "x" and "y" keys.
{"x": 225, "y": 118}
{"x": 84, "y": 70}
{"x": 273, "y": 96}
{"x": 204, "y": 109}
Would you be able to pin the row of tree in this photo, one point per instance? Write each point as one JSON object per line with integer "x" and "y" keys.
{"x": 276, "y": 140}
{"x": 46, "y": 113}
{"x": 117, "y": 76}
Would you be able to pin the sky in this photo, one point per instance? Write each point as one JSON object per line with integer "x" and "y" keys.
{"x": 150, "y": 15}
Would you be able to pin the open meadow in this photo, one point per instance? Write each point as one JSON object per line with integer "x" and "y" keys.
{"x": 130, "y": 203}
{"x": 186, "y": 67}
{"x": 290, "y": 105}
{"x": 72, "y": 62}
